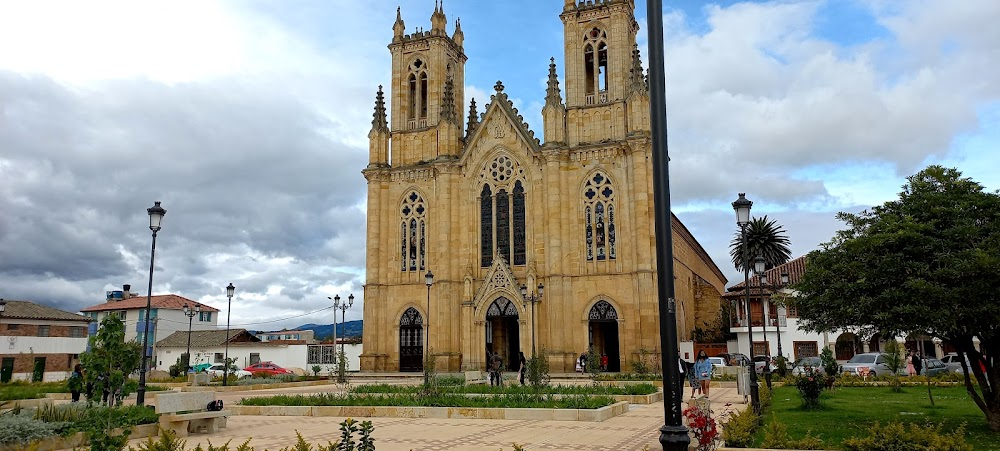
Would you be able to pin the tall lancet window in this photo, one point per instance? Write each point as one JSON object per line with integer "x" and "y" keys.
{"x": 416, "y": 83}
{"x": 413, "y": 233}
{"x": 502, "y": 212}
{"x": 599, "y": 218}
{"x": 595, "y": 66}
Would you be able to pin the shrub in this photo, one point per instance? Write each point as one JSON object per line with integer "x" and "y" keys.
{"x": 765, "y": 396}
{"x": 22, "y": 429}
{"x": 781, "y": 366}
{"x": 738, "y": 430}
{"x": 810, "y": 385}
{"x": 316, "y": 369}
{"x": 829, "y": 362}
{"x": 776, "y": 437}
{"x": 702, "y": 426}
{"x": 538, "y": 370}
{"x": 894, "y": 436}
{"x": 450, "y": 380}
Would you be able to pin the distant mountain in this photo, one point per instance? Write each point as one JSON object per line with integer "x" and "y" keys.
{"x": 325, "y": 331}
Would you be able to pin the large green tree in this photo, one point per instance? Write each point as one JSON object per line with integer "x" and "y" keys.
{"x": 928, "y": 262}
{"x": 765, "y": 238}
{"x": 110, "y": 360}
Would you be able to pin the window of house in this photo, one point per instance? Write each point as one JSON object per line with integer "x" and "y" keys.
{"x": 13, "y": 326}
{"x": 77, "y": 332}
{"x": 413, "y": 233}
{"x": 205, "y": 316}
{"x": 805, "y": 349}
{"x": 599, "y": 218}
{"x": 43, "y": 331}
{"x": 502, "y": 212}
{"x": 791, "y": 311}
{"x": 254, "y": 358}
{"x": 219, "y": 357}
{"x": 760, "y": 348}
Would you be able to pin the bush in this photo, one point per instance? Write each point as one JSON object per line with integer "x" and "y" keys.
{"x": 702, "y": 426}
{"x": 538, "y": 370}
{"x": 781, "y": 366}
{"x": 765, "y": 396}
{"x": 894, "y": 436}
{"x": 450, "y": 380}
{"x": 738, "y": 430}
{"x": 810, "y": 385}
{"x": 23, "y": 429}
{"x": 829, "y": 363}
{"x": 776, "y": 437}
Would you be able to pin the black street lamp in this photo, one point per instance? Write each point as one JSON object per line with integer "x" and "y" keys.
{"x": 428, "y": 279}
{"x": 784, "y": 283}
{"x": 156, "y": 213}
{"x": 673, "y": 434}
{"x": 190, "y": 314}
{"x": 230, "y": 291}
{"x": 533, "y": 299}
{"x": 742, "y": 208}
{"x": 758, "y": 269}
{"x": 343, "y": 306}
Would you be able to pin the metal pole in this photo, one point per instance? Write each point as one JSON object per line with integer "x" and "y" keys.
{"x": 427, "y": 337}
{"x": 533, "y": 328}
{"x": 673, "y": 434}
{"x": 229, "y": 314}
{"x": 140, "y": 393}
{"x": 754, "y": 392}
{"x": 765, "y": 314}
{"x": 190, "y": 319}
{"x": 343, "y": 323}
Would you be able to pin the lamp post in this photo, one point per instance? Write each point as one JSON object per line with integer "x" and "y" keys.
{"x": 742, "y": 207}
{"x": 784, "y": 283}
{"x": 428, "y": 280}
{"x": 230, "y": 291}
{"x": 156, "y": 213}
{"x": 758, "y": 268}
{"x": 190, "y": 314}
{"x": 343, "y": 306}
{"x": 336, "y": 302}
{"x": 533, "y": 299}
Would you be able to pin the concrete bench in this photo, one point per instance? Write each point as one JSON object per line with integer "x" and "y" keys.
{"x": 474, "y": 377}
{"x": 187, "y": 412}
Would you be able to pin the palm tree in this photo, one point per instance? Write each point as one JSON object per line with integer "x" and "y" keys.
{"x": 765, "y": 238}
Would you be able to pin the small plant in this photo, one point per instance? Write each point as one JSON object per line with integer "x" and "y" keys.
{"x": 316, "y": 369}
{"x": 430, "y": 374}
{"x": 781, "y": 366}
{"x": 895, "y": 436}
{"x": 640, "y": 366}
{"x": 765, "y": 396}
{"x": 538, "y": 370}
{"x": 776, "y": 437}
{"x": 703, "y": 427}
{"x": 738, "y": 430}
{"x": 593, "y": 365}
{"x": 348, "y": 428}
{"x": 342, "y": 367}
{"x": 21, "y": 429}
{"x": 167, "y": 441}
{"x": 894, "y": 361}
{"x": 810, "y": 385}
{"x": 829, "y": 363}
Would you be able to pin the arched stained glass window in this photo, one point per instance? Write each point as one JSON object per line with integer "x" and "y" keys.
{"x": 413, "y": 233}
{"x": 599, "y": 218}
{"x": 503, "y": 224}
{"x": 603, "y": 311}
{"x": 519, "y": 218}
{"x": 486, "y": 225}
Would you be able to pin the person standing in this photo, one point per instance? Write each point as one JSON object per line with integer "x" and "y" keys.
{"x": 692, "y": 379}
{"x": 909, "y": 363}
{"x": 522, "y": 368}
{"x": 918, "y": 363}
{"x": 604, "y": 362}
{"x": 496, "y": 370}
{"x": 76, "y": 382}
{"x": 703, "y": 368}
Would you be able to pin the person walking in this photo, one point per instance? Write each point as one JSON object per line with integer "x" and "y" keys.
{"x": 496, "y": 369}
{"x": 703, "y": 368}
{"x": 692, "y": 379}
{"x": 522, "y": 368}
{"x": 76, "y": 382}
{"x": 909, "y": 363}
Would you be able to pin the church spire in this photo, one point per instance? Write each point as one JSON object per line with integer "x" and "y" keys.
{"x": 438, "y": 19}
{"x": 473, "y": 118}
{"x": 458, "y": 36}
{"x": 379, "y": 122}
{"x": 637, "y": 76}
{"x": 448, "y": 112}
{"x": 552, "y": 93}
{"x": 399, "y": 27}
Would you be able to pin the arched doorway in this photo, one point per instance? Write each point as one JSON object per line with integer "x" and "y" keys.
{"x": 411, "y": 341}
{"x": 848, "y": 344}
{"x": 502, "y": 331}
{"x": 921, "y": 344}
{"x": 603, "y": 333}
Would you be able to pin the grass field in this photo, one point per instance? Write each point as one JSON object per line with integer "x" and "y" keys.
{"x": 848, "y": 411}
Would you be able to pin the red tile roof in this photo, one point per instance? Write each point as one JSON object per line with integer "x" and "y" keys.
{"x": 164, "y": 301}
{"x": 795, "y": 269}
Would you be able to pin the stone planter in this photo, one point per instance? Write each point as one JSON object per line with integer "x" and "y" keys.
{"x": 593, "y": 415}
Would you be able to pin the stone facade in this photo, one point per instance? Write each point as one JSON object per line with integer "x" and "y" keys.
{"x": 490, "y": 209}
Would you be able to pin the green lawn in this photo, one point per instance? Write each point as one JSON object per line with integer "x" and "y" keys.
{"x": 847, "y": 411}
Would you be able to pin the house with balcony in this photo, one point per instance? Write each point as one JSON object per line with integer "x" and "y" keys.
{"x": 775, "y": 325}
{"x": 166, "y": 316}
{"x": 39, "y": 343}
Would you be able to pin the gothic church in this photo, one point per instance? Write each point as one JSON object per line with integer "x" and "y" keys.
{"x": 531, "y": 243}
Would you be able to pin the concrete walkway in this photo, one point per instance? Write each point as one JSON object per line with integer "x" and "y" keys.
{"x": 634, "y": 430}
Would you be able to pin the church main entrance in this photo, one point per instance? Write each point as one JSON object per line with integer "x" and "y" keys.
{"x": 603, "y": 332}
{"x": 411, "y": 341}
{"x": 502, "y": 334}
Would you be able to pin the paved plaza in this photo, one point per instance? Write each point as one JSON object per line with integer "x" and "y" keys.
{"x": 632, "y": 431}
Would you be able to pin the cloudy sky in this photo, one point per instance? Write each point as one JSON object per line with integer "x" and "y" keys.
{"x": 249, "y": 121}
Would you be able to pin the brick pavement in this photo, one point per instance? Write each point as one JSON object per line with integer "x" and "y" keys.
{"x": 632, "y": 431}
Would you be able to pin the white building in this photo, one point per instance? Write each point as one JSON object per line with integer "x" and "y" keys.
{"x": 166, "y": 315}
{"x": 39, "y": 343}
{"x": 308, "y": 336}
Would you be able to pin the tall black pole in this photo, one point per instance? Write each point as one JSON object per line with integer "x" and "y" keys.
{"x": 427, "y": 339}
{"x": 754, "y": 393}
{"x": 532, "y": 328}
{"x": 673, "y": 434}
{"x": 190, "y": 321}
{"x": 140, "y": 393}
{"x": 230, "y": 290}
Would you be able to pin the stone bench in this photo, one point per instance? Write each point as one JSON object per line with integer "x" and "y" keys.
{"x": 188, "y": 412}
{"x": 474, "y": 377}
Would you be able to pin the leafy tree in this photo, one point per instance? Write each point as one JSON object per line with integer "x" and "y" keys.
{"x": 830, "y": 365}
{"x": 894, "y": 361}
{"x": 109, "y": 361}
{"x": 766, "y": 238}
{"x": 928, "y": 263}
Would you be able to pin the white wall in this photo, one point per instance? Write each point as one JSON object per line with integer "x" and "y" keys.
{"x": 285, "y": 355}
{"x": 43, "y": 345}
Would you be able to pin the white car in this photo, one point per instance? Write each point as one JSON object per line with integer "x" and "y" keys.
{"x": 717, "y": 362}
{"x": 219, "y": 371}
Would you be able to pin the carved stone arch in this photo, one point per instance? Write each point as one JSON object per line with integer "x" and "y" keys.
{"x": 402, "y": 198}
{"x": 602, "y": 32}
{"x": 401, "y": 311}
{"x": 499, "y": 281}
{"x": 413, "y": 58}
{"x": 605, "y": 171}
{"x": 605, "y": 299}
{"x": 501, "y": 177}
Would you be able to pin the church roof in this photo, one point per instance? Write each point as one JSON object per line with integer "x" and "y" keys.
{"x": 501, "y": 104}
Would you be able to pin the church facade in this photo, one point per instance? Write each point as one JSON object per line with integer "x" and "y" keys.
{"x": 532, "y": 243}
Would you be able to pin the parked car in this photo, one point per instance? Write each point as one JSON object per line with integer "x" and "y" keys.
{"x": 219, "y": 371}
{"x": 800, "y": 366}
{"x": 266, "y": 369}
{"x": 953, "y": 363}
{"x": 717, "y": 362}
{"x": 933, "y": 367}
{"x": 871, "y": 362}
{"x": 735, "y": 359}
